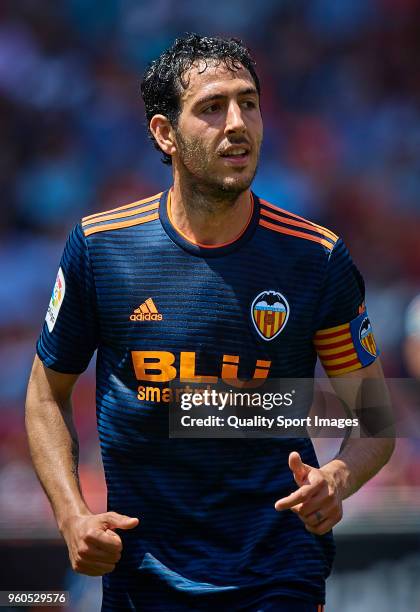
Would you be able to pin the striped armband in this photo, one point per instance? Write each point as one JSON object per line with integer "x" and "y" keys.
{"x": 346, "y": 347}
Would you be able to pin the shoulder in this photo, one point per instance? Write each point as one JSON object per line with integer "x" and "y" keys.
{"x": 129, "y": 215}
{"x": 275, "y": 219}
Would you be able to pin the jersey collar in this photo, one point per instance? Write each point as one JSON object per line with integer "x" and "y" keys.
{"x": 201, "y": 250}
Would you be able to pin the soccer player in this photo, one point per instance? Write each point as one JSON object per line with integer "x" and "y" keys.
{"x": 203, "y": 281}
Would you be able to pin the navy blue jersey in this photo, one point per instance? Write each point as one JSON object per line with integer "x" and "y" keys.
{"x": 158, "y": 307}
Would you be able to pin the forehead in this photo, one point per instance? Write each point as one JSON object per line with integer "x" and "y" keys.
{"x": 214, "y": 78}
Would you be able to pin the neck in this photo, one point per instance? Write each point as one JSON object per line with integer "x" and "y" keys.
{"x": 209, "y": 218}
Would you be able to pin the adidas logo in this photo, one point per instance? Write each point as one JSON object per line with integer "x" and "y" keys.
{"x": 146, "y": 312}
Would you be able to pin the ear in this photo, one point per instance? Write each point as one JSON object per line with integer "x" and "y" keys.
{"x": 163, "y": 133}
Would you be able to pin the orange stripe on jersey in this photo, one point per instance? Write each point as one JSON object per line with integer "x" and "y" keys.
{"x": 319, "y": 227}
{"x": 120, "y": 215}
{"x": 303, "y": 224}
{"x": 290, "y": 232}
{"x": 125, "y": 207}
{"x": 113, "y": 226}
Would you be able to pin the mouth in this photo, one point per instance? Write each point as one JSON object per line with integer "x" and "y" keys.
{"x": 236, "y": 155}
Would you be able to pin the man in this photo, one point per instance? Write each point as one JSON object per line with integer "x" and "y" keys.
{"x": 178, "y": 287}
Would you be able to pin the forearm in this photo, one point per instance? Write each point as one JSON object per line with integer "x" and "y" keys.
{"x": 54, "y": 450}
{"x": 357, "y": 462}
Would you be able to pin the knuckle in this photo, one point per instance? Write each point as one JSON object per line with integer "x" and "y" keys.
{"x": 91, "y": 535}
{"x": 82, "y": 550}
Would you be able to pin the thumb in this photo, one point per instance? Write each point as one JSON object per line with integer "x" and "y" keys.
{"x": 300, "y": 470}
{"x": 120, "y": 521}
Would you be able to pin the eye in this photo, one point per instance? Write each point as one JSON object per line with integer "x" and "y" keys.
{"x": 213, "y": 108}
{"x": 249, "y": 104}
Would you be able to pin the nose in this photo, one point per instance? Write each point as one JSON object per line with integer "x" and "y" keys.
{"x": 234, "y": 119}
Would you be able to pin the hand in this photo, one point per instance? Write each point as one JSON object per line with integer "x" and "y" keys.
{"x": 317, "y": 501}
{"x": 94, "y": 548}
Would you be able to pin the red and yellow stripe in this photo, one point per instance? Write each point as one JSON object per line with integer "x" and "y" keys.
{"x": 276, "y": 318}
{"x": 336, "y": 350}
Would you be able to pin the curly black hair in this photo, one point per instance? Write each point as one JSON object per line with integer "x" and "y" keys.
{"x": 164, "y": 77}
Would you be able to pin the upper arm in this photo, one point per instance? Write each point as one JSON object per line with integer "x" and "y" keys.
{"x": 70, "y": 332}
{"x": 343, "y": 336}
{"x": 46, "y": 385}
{"x": 365, "y": 394}
{"x": 347, "y": 348}
{"x": 348, "y": 385}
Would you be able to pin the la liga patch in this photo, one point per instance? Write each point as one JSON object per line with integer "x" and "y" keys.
{"x": 56, "y": 300}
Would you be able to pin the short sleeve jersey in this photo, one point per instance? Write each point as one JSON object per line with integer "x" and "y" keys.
{"x": 156, "y": 305}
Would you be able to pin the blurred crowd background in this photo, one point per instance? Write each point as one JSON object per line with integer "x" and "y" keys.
{"x": 341, "y": 108}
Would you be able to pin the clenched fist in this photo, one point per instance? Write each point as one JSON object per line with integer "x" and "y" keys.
{"x": 94, "y": 548}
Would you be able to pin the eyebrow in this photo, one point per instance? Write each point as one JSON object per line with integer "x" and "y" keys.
{"x": 215, "y": 97}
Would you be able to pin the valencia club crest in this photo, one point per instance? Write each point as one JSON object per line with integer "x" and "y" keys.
{"x": 269, "y": 314}
{"x": 366, "y": 337}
